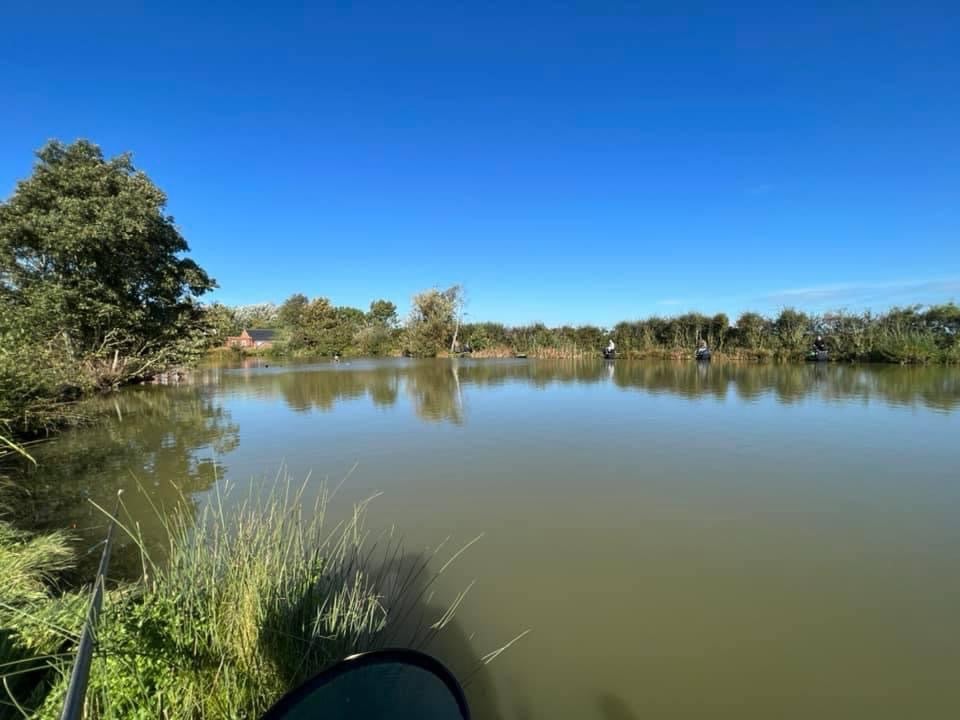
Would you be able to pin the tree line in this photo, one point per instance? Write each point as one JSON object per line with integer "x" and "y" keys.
{"x": 913, "y": 334}
{"x": 317, "y": 327}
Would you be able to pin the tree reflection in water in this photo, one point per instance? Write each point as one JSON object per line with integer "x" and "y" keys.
{"x": 439, "y": 389}
{"x": 161, "y": 446}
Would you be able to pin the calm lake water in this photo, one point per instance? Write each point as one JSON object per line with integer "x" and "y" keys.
{"x": 681, "y": 541}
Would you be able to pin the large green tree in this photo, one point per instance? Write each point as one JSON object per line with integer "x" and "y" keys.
{"x": 222, "y": 323}
{"x": 753, "y": 331}
{"x": 88, "y": 251}
{"x": 290, "y": 319}
{"x": 433, "y": 321}
{"x": 383, "y": 312}
{"x": 323, "y": 331}
{"x": 95, "y": 288}
{"x": 290, "y": 314}
{"x": 793, "y": 329}
{"x": 375, "y": 333}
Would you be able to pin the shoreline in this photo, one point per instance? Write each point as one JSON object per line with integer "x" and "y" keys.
{"x": 737, "y": 356}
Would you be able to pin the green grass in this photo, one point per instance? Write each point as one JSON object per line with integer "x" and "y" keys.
{"x": 239, "y": 607}
{"x": 33, "y": 616}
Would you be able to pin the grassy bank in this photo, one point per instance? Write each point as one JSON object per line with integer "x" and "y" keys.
{"x": 245, "y": 605}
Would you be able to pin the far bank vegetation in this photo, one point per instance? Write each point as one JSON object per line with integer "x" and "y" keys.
{"x": 913, "y": 335}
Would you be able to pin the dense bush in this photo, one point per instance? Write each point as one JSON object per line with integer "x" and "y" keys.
{"x": 94, "y": 286}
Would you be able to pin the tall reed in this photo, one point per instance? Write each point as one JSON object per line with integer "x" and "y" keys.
{"x": 238, "y": 607}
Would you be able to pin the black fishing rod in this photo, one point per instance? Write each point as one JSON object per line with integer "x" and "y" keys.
{"x": 77, "y": 689}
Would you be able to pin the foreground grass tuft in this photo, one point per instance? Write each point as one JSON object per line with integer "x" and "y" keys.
{"x": 243, "y": 605}
{"x": 36, "y": 621}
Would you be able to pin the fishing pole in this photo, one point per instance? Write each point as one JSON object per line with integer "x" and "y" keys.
{"x": 77, "y": 689}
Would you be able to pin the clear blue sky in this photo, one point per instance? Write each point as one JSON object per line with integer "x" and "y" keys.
{"x": 567, "y": 162}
